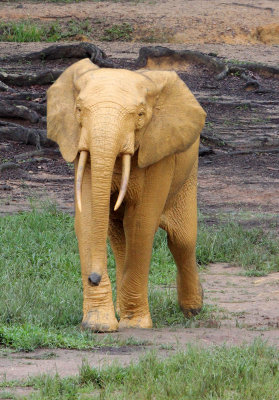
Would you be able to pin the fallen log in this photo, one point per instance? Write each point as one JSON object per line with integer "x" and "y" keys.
{"x": 18, "y": 133}
{"x": 8, "y": 110}
{"x": 5, "y": 88}
{"x": 42, "y": 152}
{"x": 32, "y": 105}
{"x": 189, "y": 56}
{"x": 8, "y": 165}
{"x": 42, "y": 78}
{"x": 255, "y": 151}
{"x": 24, "y": 96}
{"x": 78, "y": 51}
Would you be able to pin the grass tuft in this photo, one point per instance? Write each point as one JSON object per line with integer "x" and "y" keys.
{"x": 253, "y": 249}
{"x": 29, "y": 31}
{"x": 122, "y": 32}
{"x": 92, "y": 29}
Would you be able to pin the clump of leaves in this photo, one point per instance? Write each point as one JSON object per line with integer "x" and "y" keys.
{"x": 122, "y": 32}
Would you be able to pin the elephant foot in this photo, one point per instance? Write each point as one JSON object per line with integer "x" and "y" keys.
{"x": 143, "y": 322}
{"x": 192, "y": 306}
{"x": 100, "y": 321}
{"x": 190, "y": 312}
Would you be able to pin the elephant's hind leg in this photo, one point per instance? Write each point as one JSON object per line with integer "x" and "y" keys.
{"x": 98, "y": 309}
{"x": 118, "y": 245}
{"x": 182, "y": 233}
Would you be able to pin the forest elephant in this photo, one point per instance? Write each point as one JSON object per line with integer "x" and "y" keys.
{"x": 134, "y": 139}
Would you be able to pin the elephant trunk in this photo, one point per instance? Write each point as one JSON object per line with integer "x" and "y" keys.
{"x": 104, "y": 147}
{"x": 102, "y": 165}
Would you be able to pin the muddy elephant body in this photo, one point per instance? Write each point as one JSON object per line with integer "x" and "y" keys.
{"x": 134, "y": 138}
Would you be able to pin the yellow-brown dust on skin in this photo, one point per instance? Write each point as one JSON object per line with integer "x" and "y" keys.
{"x": 165, "y": 166}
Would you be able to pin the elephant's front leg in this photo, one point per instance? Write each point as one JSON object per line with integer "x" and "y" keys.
{"x": 134, "y": 309}
{"x": 141, "y": 221}
{"x": 98, "y": 309}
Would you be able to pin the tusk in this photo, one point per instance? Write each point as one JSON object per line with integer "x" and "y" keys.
{"x": 126, "y": 166}
{"x": 80, "y": 171}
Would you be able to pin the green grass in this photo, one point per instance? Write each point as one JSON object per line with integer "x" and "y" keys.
{"x": 31, "y": 31}
{"x": 217, "y": 373}
{"x": 122, "y": 32}
{"x": 253, "y": 249}
{"x": 21, "y": 32}
{"x": 28, "y": 337}
{"x": 41, "y": 291}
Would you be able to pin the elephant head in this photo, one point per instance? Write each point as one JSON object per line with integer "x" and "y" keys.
{"x": 110, "y": 113}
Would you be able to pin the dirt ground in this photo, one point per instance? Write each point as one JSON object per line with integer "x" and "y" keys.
{"x": 248, "y": 310}
{"x": 237, "y": 184}
{"x": 174, "y": 21}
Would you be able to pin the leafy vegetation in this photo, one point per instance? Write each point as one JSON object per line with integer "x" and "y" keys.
{"x": 41, "y": 291}
{"x": 247, "y": 372}
{"x": 121, "y": 32}
{"x": 30, "y": 31}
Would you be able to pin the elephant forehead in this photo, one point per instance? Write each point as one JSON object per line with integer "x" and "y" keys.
{"x": 102, "y": 94}
{"x": 122, "y": 74}
{"x": 118, "y": 81}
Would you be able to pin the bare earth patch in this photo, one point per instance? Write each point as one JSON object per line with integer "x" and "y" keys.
{"x": 248, "y": 310}
{"x": 173, "y": 21}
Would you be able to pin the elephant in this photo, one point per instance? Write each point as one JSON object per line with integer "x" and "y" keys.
{"x": 133, "y": 137}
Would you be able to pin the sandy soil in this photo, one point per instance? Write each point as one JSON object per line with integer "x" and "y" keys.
{"x": 177, "y": 21}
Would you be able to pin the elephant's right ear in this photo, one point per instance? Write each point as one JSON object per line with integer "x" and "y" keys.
{"x": 62, "y": 126}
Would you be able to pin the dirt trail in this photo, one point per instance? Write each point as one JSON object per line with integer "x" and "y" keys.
{"x": 248, "y": 309}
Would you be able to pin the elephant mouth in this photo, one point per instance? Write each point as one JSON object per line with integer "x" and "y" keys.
{"x": 126, "y": 168}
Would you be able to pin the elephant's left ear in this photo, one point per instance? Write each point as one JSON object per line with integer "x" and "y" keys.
{"x": 177, "y": 119}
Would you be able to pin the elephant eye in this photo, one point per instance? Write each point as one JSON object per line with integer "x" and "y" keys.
{"x": 141, "y": 114}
